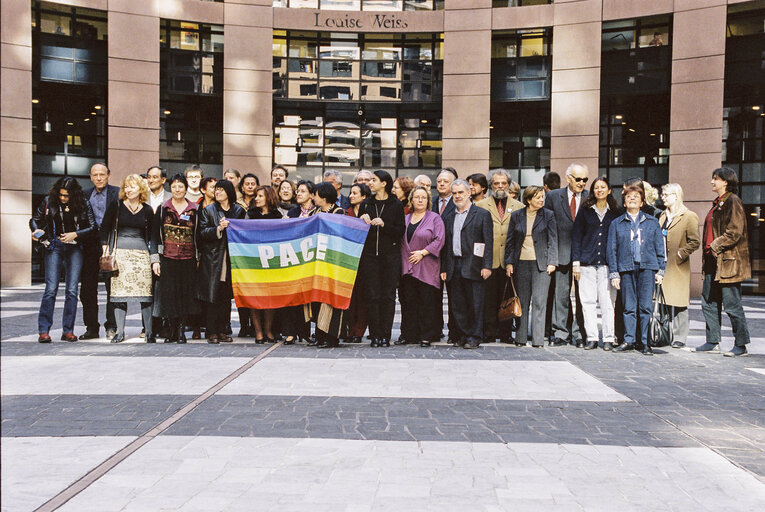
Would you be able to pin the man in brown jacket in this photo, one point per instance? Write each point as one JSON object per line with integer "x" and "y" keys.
{"x": 726, "y": 264}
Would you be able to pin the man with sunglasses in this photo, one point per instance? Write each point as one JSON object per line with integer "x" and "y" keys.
{"x": 565, "y": 204}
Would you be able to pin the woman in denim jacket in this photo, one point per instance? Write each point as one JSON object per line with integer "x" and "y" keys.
{"x": 636, "y": 263}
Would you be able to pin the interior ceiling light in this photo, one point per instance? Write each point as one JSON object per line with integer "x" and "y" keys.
{"x": 70, "y": 124}
{"x": 756, "y": 107}
{"x": 86, "y": 119}
{"x": 97, "y": 107}
{"x": 92, "y": 113}
{"x": 618, "y": 116}
{"x": 35, "y": 100}
{"x": 167, "y": 112}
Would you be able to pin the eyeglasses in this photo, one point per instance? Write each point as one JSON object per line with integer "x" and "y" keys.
{"x": 580, "y": 180}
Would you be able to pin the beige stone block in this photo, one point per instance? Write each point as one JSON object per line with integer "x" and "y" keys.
{"x": 622, "y": 9}
{"x": 467, "y": 4}
{"x": 248, "y": 48}
{"x": 247, "y": 80}
{"x": 685, "y": 111}
{"x": 259, "y": 165}
{"x": 583, "y": 79}
{"x": 16, "y": 202}
{"x": 137, "y": 71}
{"x": 466, "y": 116}
{"x": 16, "y": 273}
{"x": 192, "y": 10}
{"x": 576, "y": 46}
{"x": 248, "y": 15}
{"x": 138, "y": 139}
{"x": 694, "y": 173}
{"x": 16, "y": 165}
{"x": 687, "y": 5}
{"x": 15, "y": 129}
{"x": 133, "y": 105}
{"x": 465, "y": 149}
{"x": 531, "y": 16}
{"x": 129, "y": 34}
{"x": 583, "y": 11}
{"x": 465, "y": 168}
{"x": 15, "y": 22}
{"x": 698, "y": 69}
{"x": 560, "y": 164}
{"x": 16, "y": 93}
{"x": 575, "y": 113}
{"x": 467, "y": 52}
{"x": 687, "y": 27}
{"x": 129, "y": 161}
{"x": 473, "y": 19}
{"x": 141, "y": 8}
{"x": 466, "y": 85}
{"x": 247, "y": 113}
{"x": 268, "y": 3}
{"x": 16, "y": 56}
{"x": 89, "y": 4}
{"x": 577, "y": 146}
{"x": 695, "y": 141}
{"x": 17, "y": 239}
{"x": 247, "y": 145}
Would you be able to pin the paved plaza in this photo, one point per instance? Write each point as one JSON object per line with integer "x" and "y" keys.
{"x": 93, "y": 426}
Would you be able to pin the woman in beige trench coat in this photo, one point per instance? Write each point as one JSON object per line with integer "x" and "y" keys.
{"x": 681, "y": 232}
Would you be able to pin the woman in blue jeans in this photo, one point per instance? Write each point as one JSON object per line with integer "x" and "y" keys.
{"x": 61, "y": 223}
{"x": 636, "y": 262}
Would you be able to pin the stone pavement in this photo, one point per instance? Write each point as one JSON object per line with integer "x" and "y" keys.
{"x": 202, "y": 427}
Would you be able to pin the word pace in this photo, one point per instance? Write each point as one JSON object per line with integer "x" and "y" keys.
{"x": 288, "y": 254}
{"x": 378, "y": 21}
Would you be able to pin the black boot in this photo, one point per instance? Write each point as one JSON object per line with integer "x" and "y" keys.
{"x": 181, "y": 332}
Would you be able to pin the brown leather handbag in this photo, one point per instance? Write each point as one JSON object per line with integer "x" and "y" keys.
{"x": 108, "y": 261}
{"x": 511, "y": 307}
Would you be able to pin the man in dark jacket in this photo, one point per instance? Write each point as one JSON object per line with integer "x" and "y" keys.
{"x": 100, "y": 195}
{"x": 466, "y": 262}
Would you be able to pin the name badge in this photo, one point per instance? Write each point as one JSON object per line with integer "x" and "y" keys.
{"x": 185, "y": 217}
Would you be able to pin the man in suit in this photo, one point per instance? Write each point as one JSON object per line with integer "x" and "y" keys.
{"x": 500, "y": 206}
{"x": 156, "y": 177}
{"x": 565, "y": 203}
{"x": 466, "y": 261}
{"x": 443, "y": 205}
{"x": 100, "y": 195}
{"x": 336, "y": 178}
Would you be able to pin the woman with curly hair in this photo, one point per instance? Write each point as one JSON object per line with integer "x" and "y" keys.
{"x": 62, "y": 222}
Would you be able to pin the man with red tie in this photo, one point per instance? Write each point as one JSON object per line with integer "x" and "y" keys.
{"x": 565, "y": 203}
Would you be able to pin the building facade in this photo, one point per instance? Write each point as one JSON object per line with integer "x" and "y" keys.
{"x": 667, "y": 90}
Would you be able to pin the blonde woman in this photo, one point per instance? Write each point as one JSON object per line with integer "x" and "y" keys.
{"x": 127, "y": 230}
{"x": 680, "y": 227}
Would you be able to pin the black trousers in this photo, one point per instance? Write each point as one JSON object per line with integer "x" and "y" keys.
{"x": 467, "y": 302}
{"x": 421, "y": 310}
{"x": 495, "y": 289}
{"x": 219, "y": 312}
{"x": 89, "y": 278}
{"x": 380, "y": 276}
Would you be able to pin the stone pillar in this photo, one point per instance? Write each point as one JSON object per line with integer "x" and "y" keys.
{"x": 15, "y": 142}
{"x": 467, "y": 90}
{"x": 247, "y": 87}
{"x": 695, "y": 140}
{"x": 575, "y": 107}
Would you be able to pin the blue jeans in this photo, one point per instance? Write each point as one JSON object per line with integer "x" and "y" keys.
{"x": 637, "y": 294}
{"x": 716, "y": 296}
{"x": 66, "y": 257}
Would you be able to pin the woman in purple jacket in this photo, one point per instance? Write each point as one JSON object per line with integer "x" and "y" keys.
{"x": 420, "y": 292}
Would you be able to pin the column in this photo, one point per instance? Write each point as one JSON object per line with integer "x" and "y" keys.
{"x": 247, "y": 87}
{"x": 575, "y": 84}
{"x": 133, "y": 111}
{"x": 467, "y": 89}
{"x": 698, "y": 73}
{"x": 15, "y": 142}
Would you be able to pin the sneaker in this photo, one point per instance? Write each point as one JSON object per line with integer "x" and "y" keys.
{"x": 711, "y": 348}
{"x": 736, "y": 352}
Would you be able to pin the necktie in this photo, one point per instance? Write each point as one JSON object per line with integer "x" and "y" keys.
{"x": 501, "y": 209}
{"x": 443, "y": 205}
{"x": 573, "y": 206}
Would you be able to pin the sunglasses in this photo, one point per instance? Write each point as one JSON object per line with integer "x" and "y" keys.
{"x": 581, "y": 180}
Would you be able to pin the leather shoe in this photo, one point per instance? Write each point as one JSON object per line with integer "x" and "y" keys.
{"x": 556, "y": 342}
{"x": 578, "y": 343}
{"x": 375, "y": 343}
{"x": 710, "y": 348}
{"x": 608, "y": 346}
{"x": 110, "y": 333}
{"x": 44, "y": 337}
{"x": 736, "y": 352}
{"x": 624, "y": 347}
{"x": 401, "y": 341}
{"x": 677, "y": 344}
{"x": 385, "y": 342}
{"x": 151, "y": 338}
{"x": 470, "y": 345}
{"x": 196, "y": 334}
{"x": 117, "y": 338}
{"x": 225, "y": 338}
{"x": 213, "y": 339}
{"x": 647, "y": 351}
{"x": 591, "y": 345}
{"x": 68, "y": 336}
{"x": 89, "y": 335}
{"x": 424, "y": 343}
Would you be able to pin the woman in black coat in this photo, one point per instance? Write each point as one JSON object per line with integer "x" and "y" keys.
{"x": 214, "y": 280}
{"x": 531, "y": 255}
{"x": 380, "y": 265}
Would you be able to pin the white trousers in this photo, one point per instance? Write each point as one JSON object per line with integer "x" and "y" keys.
{"x": 595, "y": 289}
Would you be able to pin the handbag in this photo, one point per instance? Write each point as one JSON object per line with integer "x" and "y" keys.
{"x": 108, "y": 261}
{"x": 660, "y": 327}
{"x": 511, "y": 307}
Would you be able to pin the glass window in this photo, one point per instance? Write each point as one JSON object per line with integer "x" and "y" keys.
{"x": 519, "y": 55}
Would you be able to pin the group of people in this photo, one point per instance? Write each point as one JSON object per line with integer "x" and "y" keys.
{"x": 564, "y": 251}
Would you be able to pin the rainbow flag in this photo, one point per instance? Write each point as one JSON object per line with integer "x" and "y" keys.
{"x": 288, "y": 262}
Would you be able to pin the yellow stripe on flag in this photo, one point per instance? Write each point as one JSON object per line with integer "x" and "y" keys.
{"x": 293, "y": 273}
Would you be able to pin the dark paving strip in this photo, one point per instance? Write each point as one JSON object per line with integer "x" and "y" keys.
{"x": 86, "y": 415}
{"x": 85, "y": 348}
{"x": 103, "y": 468}
{"x": 420, "y": 419}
